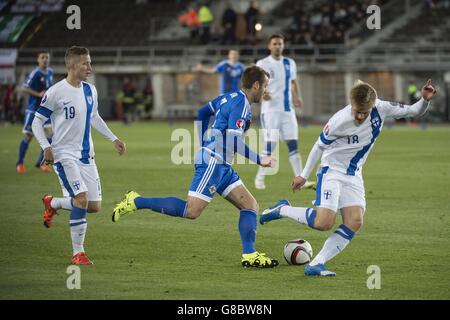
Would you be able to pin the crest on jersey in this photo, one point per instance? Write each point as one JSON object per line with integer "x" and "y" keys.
{"x": 240, "y": 123}
{"x": 212, "y": 189}
{"x": 44, "y": 98}
{"x": 89, "y": 99}
{"x": 376, "y": 122}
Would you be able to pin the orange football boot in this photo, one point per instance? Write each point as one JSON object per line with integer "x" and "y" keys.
{"x": 49, "y": 212}
{"x": 81, "y": 259}
{"x": 45, "y": 168}
{"x": 20, "y": 168}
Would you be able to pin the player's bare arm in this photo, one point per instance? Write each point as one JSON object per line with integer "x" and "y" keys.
{"x": 33, "y": 92}
{"x": 296, "y": 99}
{"x": 202, "y": 69}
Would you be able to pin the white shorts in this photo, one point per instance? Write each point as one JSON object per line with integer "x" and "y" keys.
{"x": 279, "y": 125}
{"x": 76, "y": 177}
{"x": 336, "y": 190}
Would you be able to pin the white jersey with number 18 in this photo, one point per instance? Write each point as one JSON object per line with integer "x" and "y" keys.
{"x": 347, "y": 144}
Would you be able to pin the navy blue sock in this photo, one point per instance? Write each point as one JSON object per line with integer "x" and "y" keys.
{"x": 23, "y": 147}
{"x": 171, "y": 206}
{"x": 247, "y": 229}
{"x": 41, "y": 157}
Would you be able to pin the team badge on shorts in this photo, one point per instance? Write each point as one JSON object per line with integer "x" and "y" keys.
{"x": 327, "y": 194}
{"x": 89, "y": 99}
{"x": 76, "y": 184}
{"x": 212, "y": 189}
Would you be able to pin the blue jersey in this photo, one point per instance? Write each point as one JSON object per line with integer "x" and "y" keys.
{"x": 232, "y": 118}
{"x": 38, "y": 81}
{"x": 230, "y": 76}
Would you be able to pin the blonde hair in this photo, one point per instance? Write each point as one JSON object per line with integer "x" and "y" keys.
{"x": 363, "y": 95}
{"x": 74, "y": 51}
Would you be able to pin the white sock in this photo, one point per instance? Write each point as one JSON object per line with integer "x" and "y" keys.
{"x": 62, "y": 203}
{"x": 261, "y": 173}
{"x": 334, "y": 244}
{"x": 299, "y": 214}
{"x": 296, "y": 163}
{"x": 77, "y": 234}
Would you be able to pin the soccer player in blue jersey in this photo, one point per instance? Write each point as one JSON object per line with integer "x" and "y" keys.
{"x": 38, "y": 81}
{"x": 343, "y": 148}
{"x": 230, "y": 70}
{"x": 213, "y": 171}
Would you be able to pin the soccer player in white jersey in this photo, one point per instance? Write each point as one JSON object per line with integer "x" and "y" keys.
{"x": 73, "y": 107}
{"x": 343, "y": 148}
{"x": 278, "y": 118}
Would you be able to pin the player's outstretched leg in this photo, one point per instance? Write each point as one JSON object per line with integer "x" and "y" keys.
{"x": 283, "y": 209}
{"x": 133, "y": 201}
{"x": 273, "y": 213}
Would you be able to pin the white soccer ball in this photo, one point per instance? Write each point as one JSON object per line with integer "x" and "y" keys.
{"x": 298, "y": 252}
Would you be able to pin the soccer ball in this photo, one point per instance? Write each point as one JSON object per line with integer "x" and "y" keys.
{"x": 298, "y": 252}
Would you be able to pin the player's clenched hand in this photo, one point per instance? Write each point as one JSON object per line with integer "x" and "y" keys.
{"x": 266, "y": 96}
{"x": 267, "y": 161}
{"x": 297, "y": 183}
{"x": 48, "y": 155}
{"x": 120, "y": 146}
{"x": 428, "y": 91}
{"x": 298, "y": 103}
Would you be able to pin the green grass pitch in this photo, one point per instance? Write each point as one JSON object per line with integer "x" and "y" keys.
{"x": 151, "y": 256}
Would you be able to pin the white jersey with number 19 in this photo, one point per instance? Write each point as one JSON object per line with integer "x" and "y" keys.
{"x": 281, "y": 72}
{"x": 71, "y": 110}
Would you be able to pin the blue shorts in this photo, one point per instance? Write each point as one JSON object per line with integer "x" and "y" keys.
{"x": 29, "y": 117}
{"x": 212, "y": 177}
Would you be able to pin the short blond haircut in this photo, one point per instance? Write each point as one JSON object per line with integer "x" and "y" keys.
{"x": 73, "y": 52}
{"x": 363, "y": 95}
